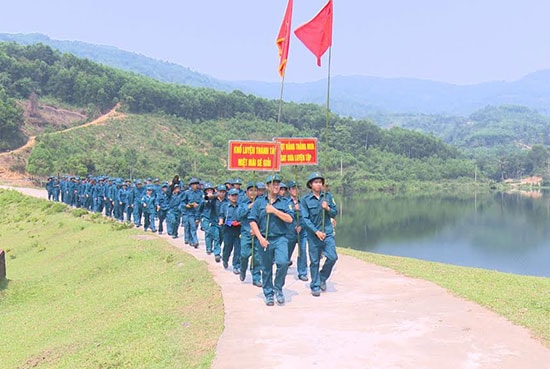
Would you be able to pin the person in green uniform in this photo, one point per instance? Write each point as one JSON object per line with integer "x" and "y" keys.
{"x": 318, "y": 207}
{"x": 269, "y": 219}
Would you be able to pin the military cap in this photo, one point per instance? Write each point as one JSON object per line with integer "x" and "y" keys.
{"x": 273, "y": 178}
{"x": 221, "y": 188}
{"x": 233, "y": 191}
{"x": 193, "y": 181}
{"x": 251, "y": 184}
{"x": 312, "y": 176}
{"x": 292, "y": 184}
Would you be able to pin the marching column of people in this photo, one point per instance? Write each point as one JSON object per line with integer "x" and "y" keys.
{"x": 255, "y": 227}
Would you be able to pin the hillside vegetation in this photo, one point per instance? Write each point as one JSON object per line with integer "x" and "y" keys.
{"x": 124, "y": 60}
{"x": 359, "y": 154}
{"x": 356, "y": 96}
{"x": 138, "y": 146}
{"x": 506, "y": 141}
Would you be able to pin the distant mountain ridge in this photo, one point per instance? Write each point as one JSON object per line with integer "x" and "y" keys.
{"x": 361, "y": 96}
{"x": 355, "y": 96}
{"x": 124, "y": 60}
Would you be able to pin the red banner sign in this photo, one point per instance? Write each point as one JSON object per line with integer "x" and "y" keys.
{"x": 298, "y": 150}
{"x": 254, "y": 155}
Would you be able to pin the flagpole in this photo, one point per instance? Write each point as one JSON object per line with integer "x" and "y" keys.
{"x": 280, "y": 103}
{"x": 328, "y": 106}
{"x": 278, "y": 132}
{"x": 326, "y": 131}
{"x": 253, "y": 199}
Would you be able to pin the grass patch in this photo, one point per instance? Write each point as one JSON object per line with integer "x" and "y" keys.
{"x": 524, "y": 300}
{"x": 80, "y": 295}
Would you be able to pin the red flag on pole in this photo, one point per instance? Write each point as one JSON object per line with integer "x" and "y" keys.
{"x": 283, "y": 38}
{"x": 317, "y": 33}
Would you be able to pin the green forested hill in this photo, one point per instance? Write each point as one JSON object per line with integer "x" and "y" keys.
{"x": 141, "y": 145}
{"x": 356, "y": 96}
{"x": 173, "y": 128}
{"x": 124, "y": 60}
{"x": 507, "y": 141}
{"x": 501, "y": 126}
{"x": 488, "y": 127}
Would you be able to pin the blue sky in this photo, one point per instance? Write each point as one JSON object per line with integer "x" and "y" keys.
{"x": 460, "y": 42}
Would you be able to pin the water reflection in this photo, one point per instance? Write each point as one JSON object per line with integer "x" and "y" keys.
{"x": 505, "y": 232}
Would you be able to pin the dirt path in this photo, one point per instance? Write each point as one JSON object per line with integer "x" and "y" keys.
{"x": 370, "y": 317}
{"x": 22, "y": 153}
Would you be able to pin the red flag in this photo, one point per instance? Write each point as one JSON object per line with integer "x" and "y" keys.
{"x": 283, "y": 38}
{"x": 317, "y": 33}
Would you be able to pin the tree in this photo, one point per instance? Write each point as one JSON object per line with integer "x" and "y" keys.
{"x": 11, "y": 118}
{"x": 537, "y": 159}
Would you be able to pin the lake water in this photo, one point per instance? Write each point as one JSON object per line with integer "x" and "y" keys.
{"x": 504, "y": 232}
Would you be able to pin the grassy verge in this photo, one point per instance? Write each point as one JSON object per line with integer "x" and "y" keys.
{"x": 523, "y": 300}
{"x": 86, "y": 292}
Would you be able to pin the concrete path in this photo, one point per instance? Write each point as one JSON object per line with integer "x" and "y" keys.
{"x": 370, "y": 317}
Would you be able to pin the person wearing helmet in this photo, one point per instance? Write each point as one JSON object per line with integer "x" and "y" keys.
{"x": 173, "y": 217}
{"x": 237, "y": 185}
{"x": 318, "y": 207}
{"x": 217, "y": 231}
{"x": 138, "y": 193}
{"x": 208, "y": 216}
{"x": 261, "y": 188}
{"x": 191, "y": 215}
{"x": 245, "y": 204}
{"x": 228, "y": 219}
{"x": 269, "y": 219}
{"x": 56, "y": 190}
{"x": 297, "y": 233}
{"x": 163, "y": 201}
{"x": 49, "y": 188}
{"x": 123, "y": 197}
{"x": 109, "y": 198}
{"x": 149, "y": 205}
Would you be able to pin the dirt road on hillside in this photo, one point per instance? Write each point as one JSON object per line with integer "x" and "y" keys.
{"x": 21, "y": 154}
